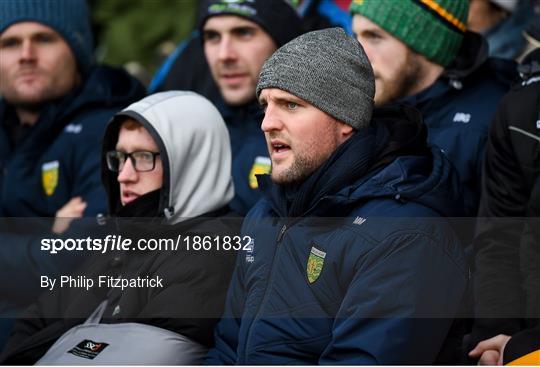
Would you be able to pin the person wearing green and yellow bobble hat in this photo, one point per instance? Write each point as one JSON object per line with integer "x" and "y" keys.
{"x": 434, "y": 29}
{"x": 422, "y": 54}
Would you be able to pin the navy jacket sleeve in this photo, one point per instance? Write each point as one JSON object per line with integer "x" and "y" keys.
{"x": 399, "y": 304}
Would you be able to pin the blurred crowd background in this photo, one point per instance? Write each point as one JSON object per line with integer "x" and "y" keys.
{"x": 140, "y": 34}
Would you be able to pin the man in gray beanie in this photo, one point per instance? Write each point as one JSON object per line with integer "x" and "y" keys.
{"x": 324, "y": 277}
{"x": 54, "y": 106}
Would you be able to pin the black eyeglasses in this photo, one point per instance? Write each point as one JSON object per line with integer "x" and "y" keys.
{"x": 142, "y": 161}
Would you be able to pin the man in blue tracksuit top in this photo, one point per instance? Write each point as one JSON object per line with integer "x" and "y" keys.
{"x": 349, "y": 260}
{"x": 54, "y": 106}
{"x": 237, "y": 38}
{"x": 423, "y": 55}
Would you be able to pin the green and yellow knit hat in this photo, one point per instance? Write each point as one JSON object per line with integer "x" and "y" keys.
{"x": 433, "y": 28}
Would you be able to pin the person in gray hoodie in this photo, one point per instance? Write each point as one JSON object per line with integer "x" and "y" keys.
{"x": 166, "y": 169}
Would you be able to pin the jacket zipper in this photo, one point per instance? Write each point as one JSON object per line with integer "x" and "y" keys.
{"x": 281, "y": 233}
{"x": 279, "y": 238}
{"x": 284, "y": 228}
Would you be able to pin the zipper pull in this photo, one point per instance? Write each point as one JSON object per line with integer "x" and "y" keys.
{"x": 281, "y": 233}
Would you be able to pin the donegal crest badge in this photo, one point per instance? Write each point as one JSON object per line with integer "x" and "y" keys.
{"x": 49, "y": 177}
{"x": 315, "y": 264}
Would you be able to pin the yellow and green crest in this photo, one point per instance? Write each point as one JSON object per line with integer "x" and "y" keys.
{"x": 315, "y": 264}
{"x": 49, "y": 177}
{"x": 261, "y": 166}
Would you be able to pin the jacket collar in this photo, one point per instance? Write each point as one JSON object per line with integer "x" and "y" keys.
{"x": 471, "y": 56}
{"x": 240, "y": 114}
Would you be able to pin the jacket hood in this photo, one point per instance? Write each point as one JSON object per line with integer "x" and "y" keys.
{"x": 473, "y": 55}
{"x": 194, "y": 149}
{"x": 430, "y": 181}
{"x": 470, "y": 67}
{"x": 105, "y": 87}
{"x": 390, "y": 159}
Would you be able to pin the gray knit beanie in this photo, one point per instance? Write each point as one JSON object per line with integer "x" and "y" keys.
{"x": 328, "y": 69}
{"x": 70, "y": 18}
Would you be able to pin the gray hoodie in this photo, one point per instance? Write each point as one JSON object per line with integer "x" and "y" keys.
{"x": 194, "y": 147}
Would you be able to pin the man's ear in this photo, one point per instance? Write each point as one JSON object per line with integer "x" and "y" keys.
{"x": 345, "y": 130}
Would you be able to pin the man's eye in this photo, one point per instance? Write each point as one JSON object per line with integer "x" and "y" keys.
{"x": 292, "y": 106}
{"x": 143, "y": 156}
{"x": 210, "y": 36}
{"x": 45, "y": 38}
{"x": 372, "y": 36}
{"x": 244, "y": 32}
{"x": 7, "y": 43}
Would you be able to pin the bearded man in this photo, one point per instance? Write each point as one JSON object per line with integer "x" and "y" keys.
{"x": 422, "y": 54}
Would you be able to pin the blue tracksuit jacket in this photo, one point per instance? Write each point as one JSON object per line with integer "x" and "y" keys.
{"x": 459, "y": 107}
{"x": 60, "y": 157}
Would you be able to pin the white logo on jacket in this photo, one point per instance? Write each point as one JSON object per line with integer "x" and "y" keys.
{"x": 73, "y": 128}
{"x": 462, "y": 117}
{"x": 249, "y": 251}
{"x": 359, "y": 221}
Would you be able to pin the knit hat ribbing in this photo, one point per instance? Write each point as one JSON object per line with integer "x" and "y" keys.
{"x": 433, "y": 28}
{"x": 329, "y": 70}
{"x": 70, "y": 18}
{"x": 277, "y": 17}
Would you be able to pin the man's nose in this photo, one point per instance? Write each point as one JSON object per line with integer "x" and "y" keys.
{"x": 127, "y": 173}
{"x": 271, "y": 120}
{"x": 227, "y": 49}
{"x": 28, "y": 51}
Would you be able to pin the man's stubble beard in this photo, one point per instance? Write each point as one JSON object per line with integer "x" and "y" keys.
{"x": 302, "y": 167}
{"x": 36, "y": 103}
{"x": 402, "y": 86}
{"x": 298, "y": 172}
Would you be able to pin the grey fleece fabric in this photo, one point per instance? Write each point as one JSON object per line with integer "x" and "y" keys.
{"x": 197, "y": 145}
{"x": 328, "y": 69}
